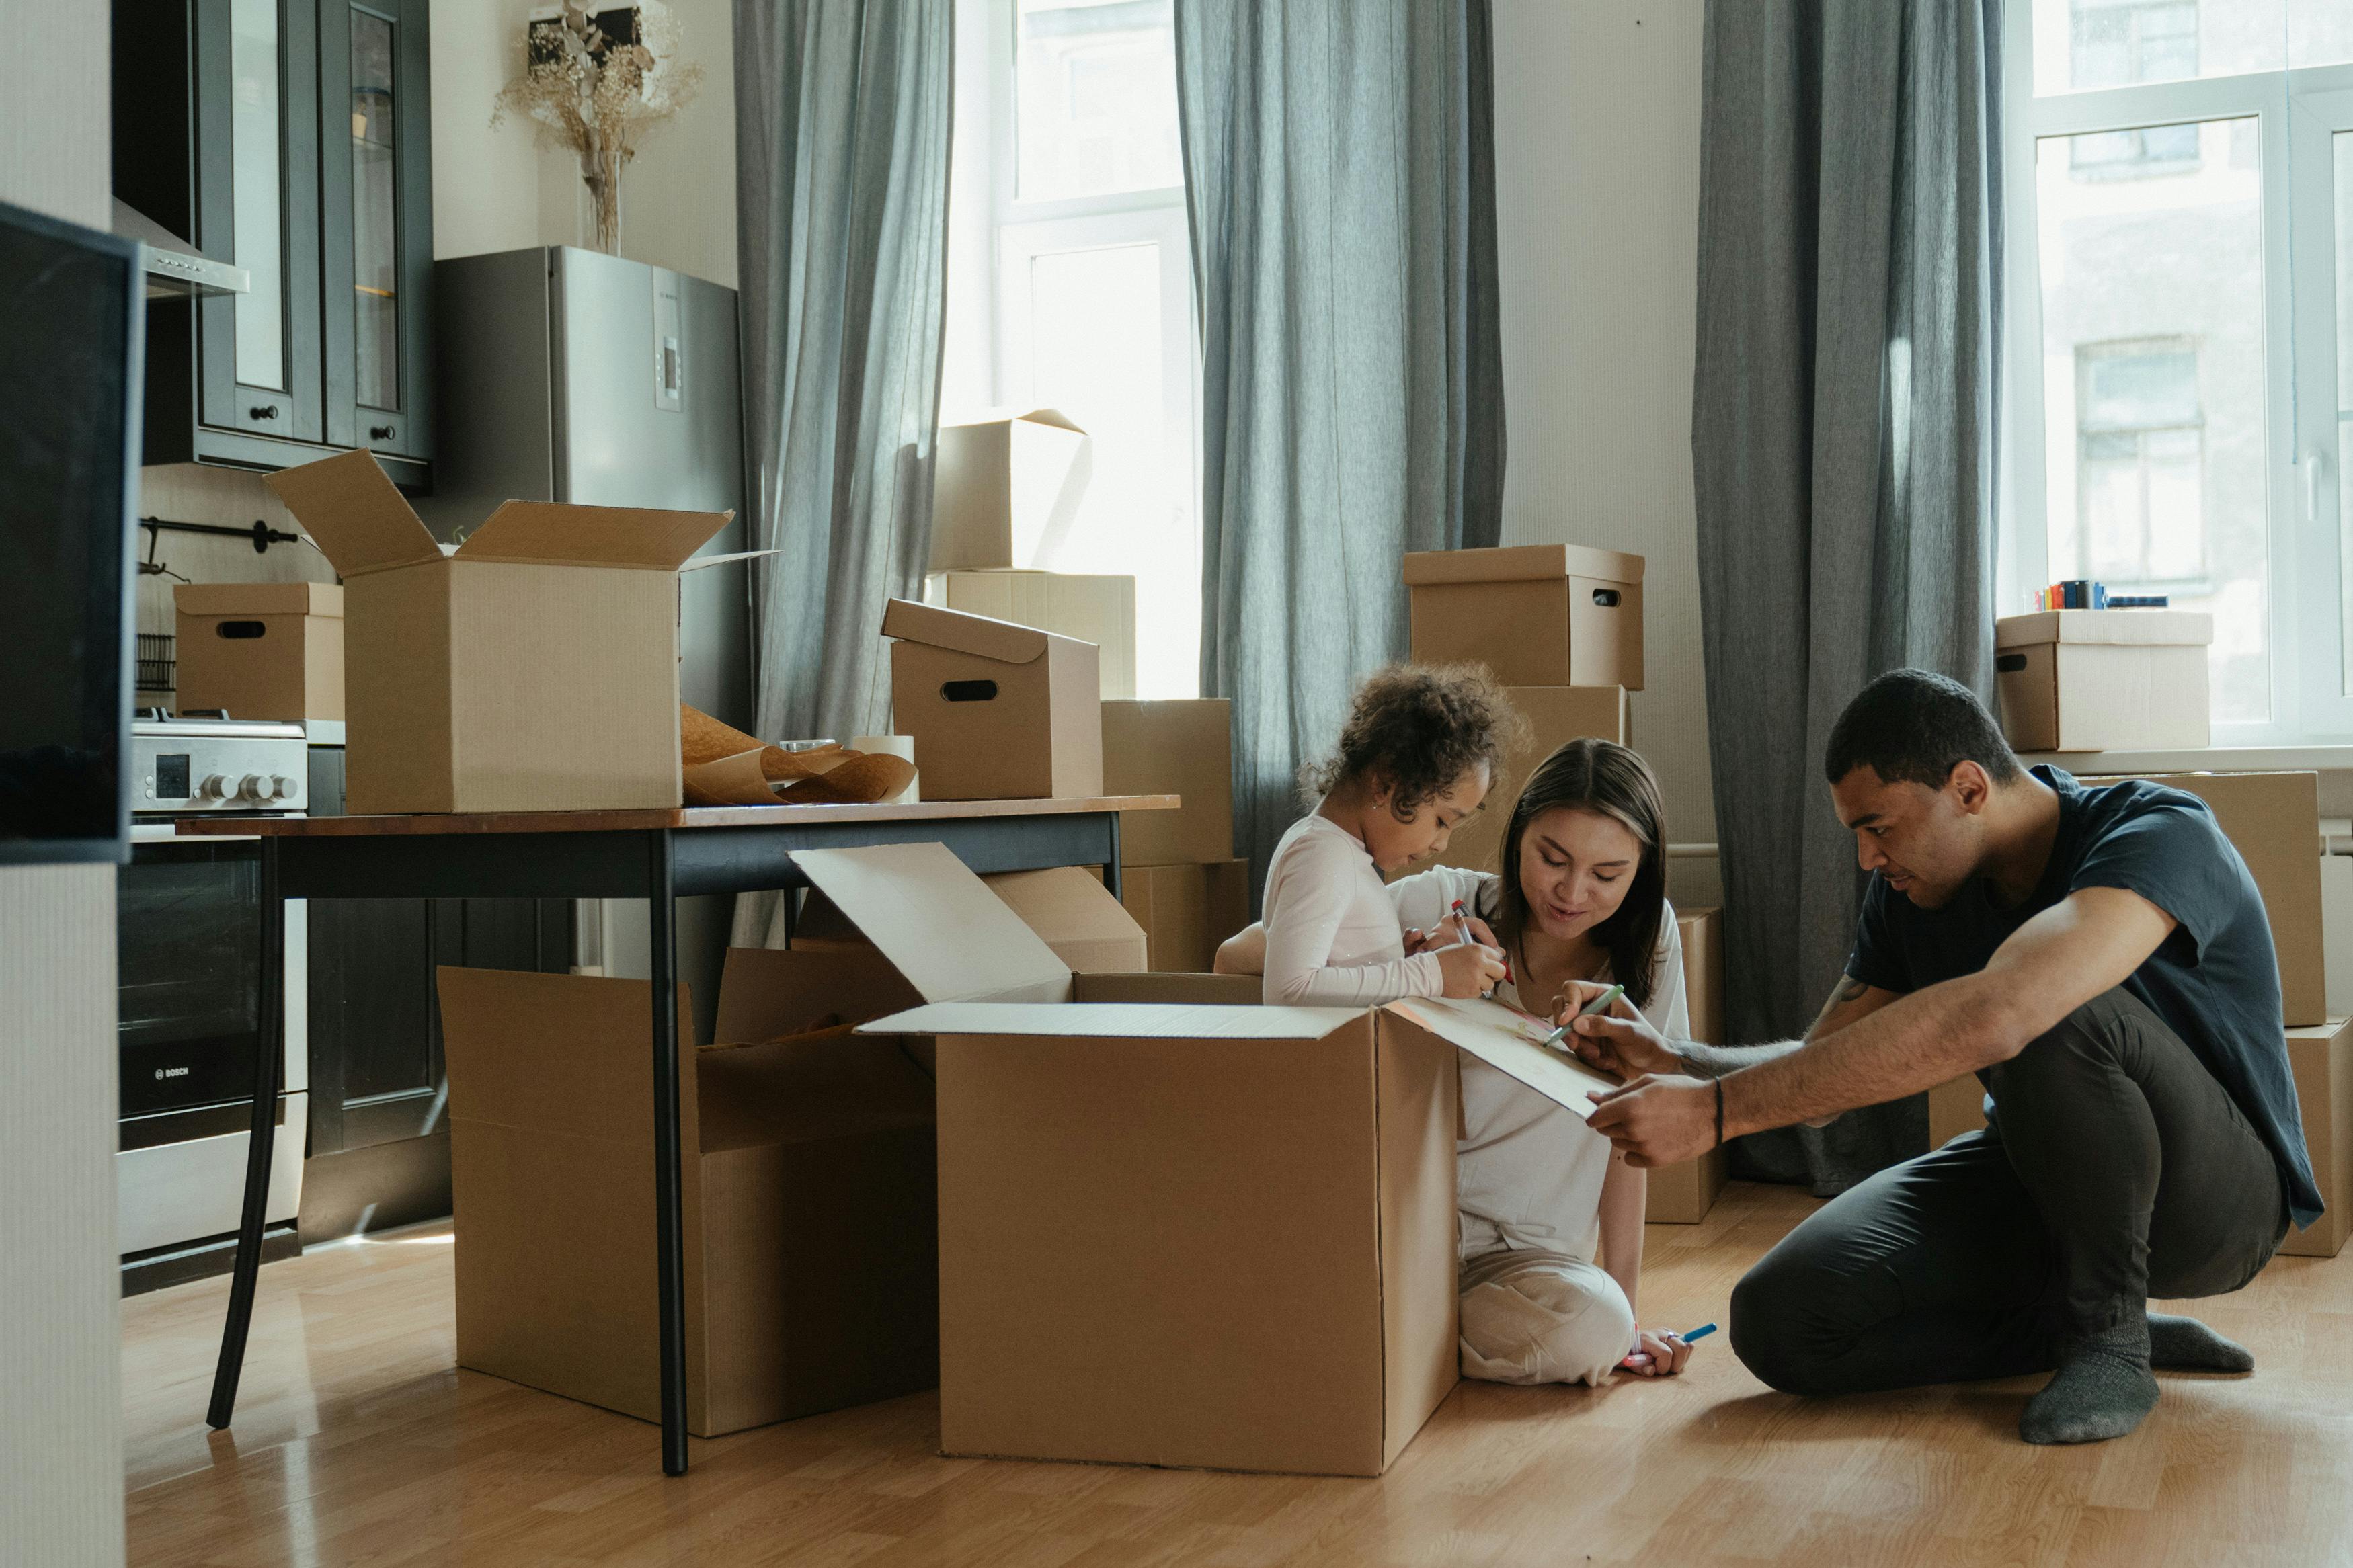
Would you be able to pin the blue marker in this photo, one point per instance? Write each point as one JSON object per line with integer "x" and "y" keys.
{"x": 1642, "y": 1358}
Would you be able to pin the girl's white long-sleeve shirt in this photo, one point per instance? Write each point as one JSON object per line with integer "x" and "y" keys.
{"x": 1331, "y": 934}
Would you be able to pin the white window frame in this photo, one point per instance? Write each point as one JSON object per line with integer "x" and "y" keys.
{"x": 1020, "y": 230}
{"x": 2296, "y": 112}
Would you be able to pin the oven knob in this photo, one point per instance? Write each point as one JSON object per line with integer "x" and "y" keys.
{"x": 216, "y": 786}
{"x": 286, "y": 788}
{"x": 254, "y": 787}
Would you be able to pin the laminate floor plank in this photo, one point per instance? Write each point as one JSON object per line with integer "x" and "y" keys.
{"x": 358, "y": 1445}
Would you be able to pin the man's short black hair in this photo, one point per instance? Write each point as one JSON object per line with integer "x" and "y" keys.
{"x": 1916, "y": 726}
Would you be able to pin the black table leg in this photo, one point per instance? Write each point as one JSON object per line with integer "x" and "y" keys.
{"x": 1110, "y": 868}
{"x": 269, "y": 1073}
{"x": 670, "y": 1230}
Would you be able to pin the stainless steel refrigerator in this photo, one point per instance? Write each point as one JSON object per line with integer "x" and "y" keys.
{"x": 570, "y": 375}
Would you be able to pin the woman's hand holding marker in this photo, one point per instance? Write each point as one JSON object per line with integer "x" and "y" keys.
{"x": 1619, "y": 1042}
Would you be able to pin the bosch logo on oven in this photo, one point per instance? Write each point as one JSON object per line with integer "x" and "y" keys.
{"x": 162, "y": 1073}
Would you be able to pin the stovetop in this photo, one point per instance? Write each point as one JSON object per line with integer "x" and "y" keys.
{"x": 212, "y": 764}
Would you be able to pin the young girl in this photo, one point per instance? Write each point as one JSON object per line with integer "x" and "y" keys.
{"x": 1417, "y": 753}
{"x": 1550, "y": 1219}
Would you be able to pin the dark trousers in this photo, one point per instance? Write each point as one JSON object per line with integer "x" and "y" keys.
{"x": 2118, "y": 1170}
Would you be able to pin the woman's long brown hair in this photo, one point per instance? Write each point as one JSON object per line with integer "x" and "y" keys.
{"x": 1601, "y": 776}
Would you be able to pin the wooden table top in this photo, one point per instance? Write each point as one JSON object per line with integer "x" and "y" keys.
{"x": 640, "y": 820}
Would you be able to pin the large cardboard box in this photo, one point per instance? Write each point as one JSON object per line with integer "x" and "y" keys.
{"x": 1535, "y": 614}
{"x": 996, "y": 711}
{"x": 1183, "y": 748}
{"x": 1682, "y": 1195}
{"x": 1075, "y": 915}
{"x": 1200, "y": 1236}
{"x": 2321, "y": 1059}
{"x": 2274, "y": 821}
{"x": 1554, "y": 715}
{"x": 1100, "y": 610}
{"x": 260, "y": 650}
{"x": 1187, "y": 910}
{"x": 2089, "y": 680}
{"x": 1006, "y": 490}
{"x": 809, "y": 1190}
{"x": 533, "y": 668}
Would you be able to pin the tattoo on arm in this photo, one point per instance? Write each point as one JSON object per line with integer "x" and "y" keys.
{"x": 1848, "y": 989}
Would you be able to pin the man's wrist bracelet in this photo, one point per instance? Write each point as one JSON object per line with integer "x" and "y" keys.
{"x": 1719, "y": 1113}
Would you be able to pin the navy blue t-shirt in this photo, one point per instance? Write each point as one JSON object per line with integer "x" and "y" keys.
{"x": 2214, "y": 981}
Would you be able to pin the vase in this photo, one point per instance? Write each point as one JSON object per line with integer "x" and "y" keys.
{"x": 600, "y": 170}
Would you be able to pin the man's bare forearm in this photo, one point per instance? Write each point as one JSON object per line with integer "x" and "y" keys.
{"x": 1914, "y": 1043}
{"x": 1715, "y": 1061}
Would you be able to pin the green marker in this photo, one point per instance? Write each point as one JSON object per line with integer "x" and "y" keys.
{"x": 1601, "y": 1004}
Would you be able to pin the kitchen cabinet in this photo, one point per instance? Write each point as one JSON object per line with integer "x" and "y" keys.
{"x": 292, "y": 138}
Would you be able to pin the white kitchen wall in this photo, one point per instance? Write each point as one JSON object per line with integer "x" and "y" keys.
{"x": 1597, "y": 175}
{"x": 61, "y": 1445}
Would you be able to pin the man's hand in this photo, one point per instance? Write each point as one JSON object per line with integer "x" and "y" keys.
{"x": 1621, "y": 1043}
{"x": 1658, "y": 1121}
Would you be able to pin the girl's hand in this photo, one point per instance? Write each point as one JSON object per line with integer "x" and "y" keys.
{"x": 1470, "y": 969}
{"x": 1449, "y": 932}
{"x": 1656, "y": 1355}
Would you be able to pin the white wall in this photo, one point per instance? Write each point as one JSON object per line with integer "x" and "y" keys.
{"x": 61, "y": 1444}
{"x": 1597, "y": 177}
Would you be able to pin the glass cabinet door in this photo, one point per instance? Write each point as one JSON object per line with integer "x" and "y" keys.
{"x": 372, "y": 74}
{"x": 375, "y": 214}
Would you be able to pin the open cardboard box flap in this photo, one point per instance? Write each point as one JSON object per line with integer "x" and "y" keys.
{"x": 1494, "y": 1033}
{"x": 354, "y": 513}
{"x": 1520, "y": 563}
{"x": 963, "y": 632}
{"x": 937, "y": 923}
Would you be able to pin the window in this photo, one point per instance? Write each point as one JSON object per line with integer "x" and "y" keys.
{"x": 2178, "y": 378}
{"x": 1070, "y": 285}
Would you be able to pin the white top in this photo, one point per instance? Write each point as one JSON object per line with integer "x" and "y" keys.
{"x": 1527, "y": 1173}
{"x": 1332, "y": 933}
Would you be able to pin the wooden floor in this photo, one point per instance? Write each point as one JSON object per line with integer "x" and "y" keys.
{"x": 358, "y": 1444}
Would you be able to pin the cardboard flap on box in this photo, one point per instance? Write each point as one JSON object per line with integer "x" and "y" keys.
{"x": 2112, "y": 626}
{"x": 551, "y": 534}
{"x": 1075, "y": 914}
{"x": 769, "y": 994}
{"x": 1520, "y": 563}
{"x": 354, "y": 513}
{"x": 963, "y": 632}
{"x": 936, "y": 923}
{"x": 323, "y": 599}
{"x": 1116, "y": 1020}
{"x": 1502, "y": 1039}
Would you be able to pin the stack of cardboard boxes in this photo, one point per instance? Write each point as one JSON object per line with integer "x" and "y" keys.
{"x": 1007, "y": 491}
{"x": 1178, "y": 875}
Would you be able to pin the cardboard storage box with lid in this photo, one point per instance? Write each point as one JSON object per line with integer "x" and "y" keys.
{"x": 1556, "y": 714}
{"x": 260, "y": 650}
{"x": 2090, "y": 680}
{"x": 534, "y": 667}
{"x": 1183, "y": 748}
{"x": 1682, "y": 1195}
{"x": 996, "y": 711}
{"x": 1096, "y": 609}
{"x": 1116, "y": 1283}
{"x": 1535, "y": 614}
{"x": 1006, "y": 490}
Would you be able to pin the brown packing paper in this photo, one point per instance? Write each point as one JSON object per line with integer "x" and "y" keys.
{"x": 724, "y": 766}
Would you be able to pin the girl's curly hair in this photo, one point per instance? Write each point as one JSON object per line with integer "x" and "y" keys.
{"x": 1418, "y": 729}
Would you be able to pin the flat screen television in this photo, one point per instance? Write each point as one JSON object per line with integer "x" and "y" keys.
{"x": 71, "y": 340}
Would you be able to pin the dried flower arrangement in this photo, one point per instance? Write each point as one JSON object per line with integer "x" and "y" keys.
{"x": 595, "y": 93}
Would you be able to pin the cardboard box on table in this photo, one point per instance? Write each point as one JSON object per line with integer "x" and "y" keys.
{"x": 2321, "y": 1059}
{"x": 1183, "y": 748}
{"x": 1204, "y": 1236}
{"x": 1556, "y": 714}
{"x": 1096, "y": 609}
{"x": 809, "y": 1190}
{"x": 1682, "y": 1195}
{"x": 1006, "y": 490}
{"x": 1187, "y": 910}
{"x": 260, "y": 650}
{"x": 996, "y": 711}
{"x": 2090, "y": 680}
{"x": 1535, "y": 614}
{"x": 533, "y": 668}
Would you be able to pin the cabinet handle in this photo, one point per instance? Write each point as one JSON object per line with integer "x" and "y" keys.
{"x": 264, "y": 411}
{"x": 380, "y": 432}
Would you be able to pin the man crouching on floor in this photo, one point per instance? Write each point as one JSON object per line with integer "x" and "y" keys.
{"x": 2100, "y": 958}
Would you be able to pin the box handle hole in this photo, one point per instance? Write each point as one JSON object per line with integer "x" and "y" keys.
{"x": 1606, "y": 597}
{"x": 238, "y": 630}
{"x": 969, "y": 690}
{"x": 2010, "y": 663}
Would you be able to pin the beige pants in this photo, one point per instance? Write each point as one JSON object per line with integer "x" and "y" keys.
{"x": 1541, "y": 1317}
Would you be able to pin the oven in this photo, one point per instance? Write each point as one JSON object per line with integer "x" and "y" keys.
{"x": 188, "y": 924}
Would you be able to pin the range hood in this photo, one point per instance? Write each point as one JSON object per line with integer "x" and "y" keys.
{"x": 174, "y": 269}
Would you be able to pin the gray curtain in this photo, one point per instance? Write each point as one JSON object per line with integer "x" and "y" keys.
{"x": 1843, "y": 457}
{"x": 841, "y": 127}
{"x": 1339, "y": 173}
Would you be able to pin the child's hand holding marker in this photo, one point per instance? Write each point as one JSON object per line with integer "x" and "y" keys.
{"x": 1662, "y": 1355}
{"x": 1473, "y": 962}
